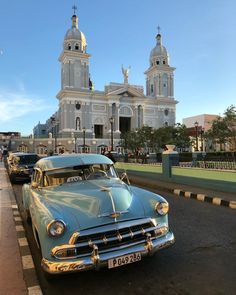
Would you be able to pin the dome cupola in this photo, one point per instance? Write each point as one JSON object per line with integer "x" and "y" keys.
{"x": 159, "y": 55}
{"x": 74, "y": 39}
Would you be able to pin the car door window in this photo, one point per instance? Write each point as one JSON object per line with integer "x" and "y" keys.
{"x": 37, "y": 176}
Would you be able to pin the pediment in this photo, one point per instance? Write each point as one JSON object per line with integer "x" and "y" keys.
{"x": 126, "y": 91}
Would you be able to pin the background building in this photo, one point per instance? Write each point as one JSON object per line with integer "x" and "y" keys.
{"x": 204, "y": 121}
{"x": 197, "y": 126}
{"x": 94, "y": 119}
{"x": 88, "y": 120}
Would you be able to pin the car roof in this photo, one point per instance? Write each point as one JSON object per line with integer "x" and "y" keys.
{"x": 19, "y": 154}
{"x": 62, "y": 161}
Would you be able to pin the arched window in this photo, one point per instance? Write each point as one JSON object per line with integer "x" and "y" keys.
{"x": 152, "y": 89}
{"x": 76, "y": 46}
{"x": 164, "y": 85}
{"x": 139, "y": 116}
{"x": 69, "y": 47}
{"x": 157, "y": 62}
{"x": 77, "y": 123}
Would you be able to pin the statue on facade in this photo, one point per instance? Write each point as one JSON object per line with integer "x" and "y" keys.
{"x": 125, "y": 72}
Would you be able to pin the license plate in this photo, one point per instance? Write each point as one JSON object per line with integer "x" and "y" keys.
{"x": 122, "y": 260}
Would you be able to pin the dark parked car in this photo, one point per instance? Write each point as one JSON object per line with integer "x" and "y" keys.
{"x": 20, "y": 165}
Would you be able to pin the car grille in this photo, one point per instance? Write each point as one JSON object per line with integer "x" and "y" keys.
{"x": 114, "y": 236}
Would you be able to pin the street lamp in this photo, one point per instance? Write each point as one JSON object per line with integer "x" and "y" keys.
{"x": 73, "y": 135}
{"x": 196, "y": 135}
{"x": 201, "y": 134}
{"x": 111, "y": 120}
{"x": 84, "y": 139}
{"x": 54, "y": 123}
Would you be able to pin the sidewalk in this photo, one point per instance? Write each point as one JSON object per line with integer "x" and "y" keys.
{"x": 11, "y": 273}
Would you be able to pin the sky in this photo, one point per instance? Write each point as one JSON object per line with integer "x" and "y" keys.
{"x": 200, "y": 37}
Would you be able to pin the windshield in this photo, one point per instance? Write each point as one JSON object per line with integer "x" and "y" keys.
{"x": 79, "y": 173}
{"x": 27, "y": 159}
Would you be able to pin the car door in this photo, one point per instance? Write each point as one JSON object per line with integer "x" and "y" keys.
{"x": 35, "y": 196}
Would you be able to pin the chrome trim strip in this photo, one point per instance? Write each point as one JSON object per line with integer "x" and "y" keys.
{"x": 114, "y": 226}
{"x": 73, "y": 238}
{"x": 158, "y": 231}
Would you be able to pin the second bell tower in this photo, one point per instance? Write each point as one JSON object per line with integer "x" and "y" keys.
{"x": 74, "y": 59}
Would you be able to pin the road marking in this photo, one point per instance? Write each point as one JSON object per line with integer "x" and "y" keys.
{"x": 201, "y": 197}
{"x": 16, "y": 213}
{"x": 177, "y": 192}
{"x": 216, "y": 201}
{"x": 23, "y": 242}
{"x": 187, "y": 194}
{"x": 14, "y": 206}
{"x": 35, "y": 290}
{"x": 27, "y": 262}
{"x": 232, "y": 204}
{"x": 19, "y": 228}
{"x": 17, "y": 218}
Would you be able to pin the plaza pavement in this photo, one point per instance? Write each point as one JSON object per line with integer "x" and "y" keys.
{"x": 13, "y": 271}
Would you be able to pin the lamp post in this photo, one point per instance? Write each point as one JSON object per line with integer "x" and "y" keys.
{"x": 73, "y": 135}
{"x": 54, "y": 131}
{"x": 32, "y": 142}
{"x": 84, "y": 139}
{"x": 111, "y": 120}
{"x": 196, "y": 135}
{"x": 201, "y": 134}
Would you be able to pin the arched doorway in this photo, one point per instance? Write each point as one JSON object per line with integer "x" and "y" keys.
{"x": 125, "y": 115}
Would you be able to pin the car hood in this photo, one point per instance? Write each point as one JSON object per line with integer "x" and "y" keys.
{"x": 93, "y": 203}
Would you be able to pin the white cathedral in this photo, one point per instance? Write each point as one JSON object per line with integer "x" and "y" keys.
{"x": 92, "y": 117}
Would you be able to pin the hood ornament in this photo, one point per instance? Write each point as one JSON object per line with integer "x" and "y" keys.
{"x": 114, "y": 214}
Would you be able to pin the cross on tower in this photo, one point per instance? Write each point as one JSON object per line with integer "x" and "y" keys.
{"x": 159, "y": 29}
{"x": 75, "y": 8}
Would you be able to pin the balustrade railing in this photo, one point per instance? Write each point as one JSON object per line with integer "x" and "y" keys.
{"x": 216, "y": 165}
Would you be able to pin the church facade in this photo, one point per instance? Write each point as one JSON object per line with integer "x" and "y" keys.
{"x": 90, "y": 119}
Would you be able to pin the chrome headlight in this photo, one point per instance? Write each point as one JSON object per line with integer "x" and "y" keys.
{"x": 162, "y": 208}
{"x": 56, "y": 228}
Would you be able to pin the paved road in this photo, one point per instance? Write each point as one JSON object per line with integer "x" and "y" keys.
{"x": 203, "y": 260}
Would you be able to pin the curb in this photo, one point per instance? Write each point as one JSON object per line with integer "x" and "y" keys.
{"x": 186, "y": 194}
{"x": 28, "y": 267}
{"x": 204, "y": 198}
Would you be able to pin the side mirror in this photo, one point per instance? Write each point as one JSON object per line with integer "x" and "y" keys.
{"x": 34, "y": 185}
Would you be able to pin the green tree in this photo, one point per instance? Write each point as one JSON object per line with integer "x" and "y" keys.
{"x": 155, "y": 140}
{"x": 230, "y": 121}
{"x": 223, "y": 129}
{"x": 181, "y": 137}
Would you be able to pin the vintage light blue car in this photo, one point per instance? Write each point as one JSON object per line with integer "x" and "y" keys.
{"x": 84, "y": 216}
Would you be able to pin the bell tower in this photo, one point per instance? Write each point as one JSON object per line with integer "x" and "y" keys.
{"x": 74, "y": 58}
{"x": 159, "y": 75}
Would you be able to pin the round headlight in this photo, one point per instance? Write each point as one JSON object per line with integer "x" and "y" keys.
{"x": 56, "y": 228}
{"x": 162, "y": 208}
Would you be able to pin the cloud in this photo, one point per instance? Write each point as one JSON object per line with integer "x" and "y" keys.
{"x": 18, "y": 104}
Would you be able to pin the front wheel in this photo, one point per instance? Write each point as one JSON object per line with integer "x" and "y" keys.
{"x": 12, "y": 178}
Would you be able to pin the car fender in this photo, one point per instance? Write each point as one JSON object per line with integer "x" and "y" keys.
{"x": 26, "y": 196}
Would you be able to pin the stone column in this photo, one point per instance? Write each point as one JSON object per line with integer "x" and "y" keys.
{"x": 117, "y": 119}
{"x": 169, "y": 158}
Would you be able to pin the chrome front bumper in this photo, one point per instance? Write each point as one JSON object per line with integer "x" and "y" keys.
{"x": 97, "y": 260}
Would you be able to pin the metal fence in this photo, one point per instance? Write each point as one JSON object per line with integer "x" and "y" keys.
{"x": 216, "y": 165}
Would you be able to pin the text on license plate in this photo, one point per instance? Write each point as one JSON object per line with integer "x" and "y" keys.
{"x": 122, "y": 260}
